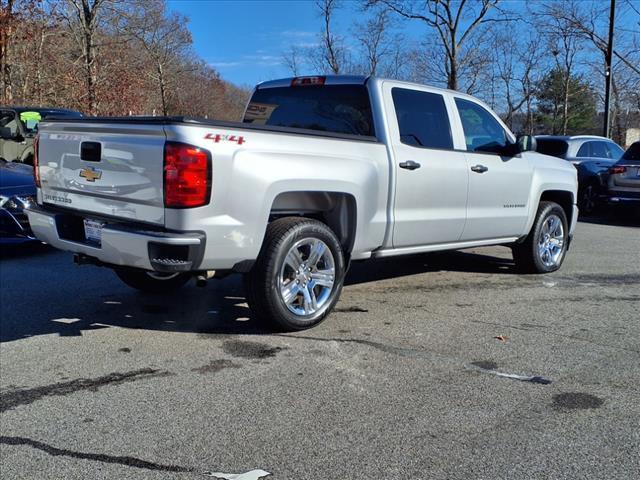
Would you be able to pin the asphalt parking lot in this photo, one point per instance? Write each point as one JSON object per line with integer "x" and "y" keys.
{"x": 99, "y": 381}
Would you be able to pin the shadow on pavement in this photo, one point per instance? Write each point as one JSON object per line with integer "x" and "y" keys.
{"x": 25, "y": 250}
{"x": 615, "y": 217}
{"x": 89, "y": 298}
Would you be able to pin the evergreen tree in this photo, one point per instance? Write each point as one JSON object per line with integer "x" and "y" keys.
{"x": 566, "y": 103}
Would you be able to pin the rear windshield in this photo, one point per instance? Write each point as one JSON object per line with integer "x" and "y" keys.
{"x": 328, "y": 108}
{"x": 632, "y": 155}
{"x": 555, "y": 148}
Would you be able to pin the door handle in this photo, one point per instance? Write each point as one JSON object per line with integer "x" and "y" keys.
{"x": 479, "y": 168}
{"x": 410, "y": 165}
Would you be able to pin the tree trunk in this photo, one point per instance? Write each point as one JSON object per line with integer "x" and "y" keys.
{"x": 565, "y": 107}
{"x": 5, "y": 36}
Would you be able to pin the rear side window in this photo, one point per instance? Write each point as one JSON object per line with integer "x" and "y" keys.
{"x": 632, "y": 155}
{"x": 615, "y": 151}
{"x": 482, "y": 132}
{"x": 329, "y": 108}
{"x": 553, "y": 147}
{"x": 422, "y": 118}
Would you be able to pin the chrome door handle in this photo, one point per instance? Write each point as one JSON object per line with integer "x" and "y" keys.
{"x": 479, "y": 168}
{"x": 410, "y": 165}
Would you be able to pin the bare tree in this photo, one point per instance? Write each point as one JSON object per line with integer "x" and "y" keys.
{"x": 373, "y": 38}
{"x": 83, "y": 17}
{"x": 7, "y": 21}
{"x": 589, "y": 22}
{"x": 454, "y": 22}
{"x": 292, "y": 59}
{"x": 516, "y": 69}
{"x": 332, "y": 53}
{"x": 163, "y": 37}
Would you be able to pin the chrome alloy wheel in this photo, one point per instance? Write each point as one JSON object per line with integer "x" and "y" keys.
{"x": 551, "y": 241}
{"x": 307, "y": 277}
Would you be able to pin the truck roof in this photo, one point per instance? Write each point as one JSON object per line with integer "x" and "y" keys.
{"x": 352, "y": 80}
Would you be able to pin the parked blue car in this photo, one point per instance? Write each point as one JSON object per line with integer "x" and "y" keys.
{"x": 17, "y": 192}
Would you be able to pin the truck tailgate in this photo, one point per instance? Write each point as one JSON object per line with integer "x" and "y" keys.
{"x": 106, "y": 169}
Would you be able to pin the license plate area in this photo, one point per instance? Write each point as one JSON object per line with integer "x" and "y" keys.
{"x": 93, "y": 231}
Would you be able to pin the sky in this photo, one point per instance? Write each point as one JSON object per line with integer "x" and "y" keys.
{"x": 245, "y": 40}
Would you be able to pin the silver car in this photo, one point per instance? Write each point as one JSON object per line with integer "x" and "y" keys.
{"x": 624, "y": 178}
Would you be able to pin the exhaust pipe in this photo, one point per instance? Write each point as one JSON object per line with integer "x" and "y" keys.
{"x": 202, "y": 277}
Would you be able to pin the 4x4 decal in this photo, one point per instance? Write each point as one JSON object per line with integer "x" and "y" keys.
{"x": 218, "y": 137}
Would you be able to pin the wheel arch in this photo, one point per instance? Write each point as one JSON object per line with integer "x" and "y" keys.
{"x": 563, "y": 198}
{"x": 338, "y": 210}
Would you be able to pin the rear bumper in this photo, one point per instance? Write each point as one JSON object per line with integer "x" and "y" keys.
{"x": 122, "y": 245}
{"x": 626, "y": 198}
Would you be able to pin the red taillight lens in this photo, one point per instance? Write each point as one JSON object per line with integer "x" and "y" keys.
{"x": 187, "y": 175}
{"x": 36, "y": 161}
{"x": 617, "y": 169}
{"x": 301, "y": 81}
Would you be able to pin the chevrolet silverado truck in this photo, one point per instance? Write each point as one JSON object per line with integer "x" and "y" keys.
{"x": 321, "y": 172}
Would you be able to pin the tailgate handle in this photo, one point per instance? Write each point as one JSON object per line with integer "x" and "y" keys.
{"x": 90, "y": 151}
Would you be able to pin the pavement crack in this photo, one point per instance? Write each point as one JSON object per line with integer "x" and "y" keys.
{"x": 14, "y": 398}
{"x": 401, "y": 351}
{"x": 96, "y": 457}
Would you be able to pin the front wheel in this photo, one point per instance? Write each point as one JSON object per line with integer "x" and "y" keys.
{"x": 298, "y": 276}
{"x": 152, "y": 282}
{"x": 544, "y": 249}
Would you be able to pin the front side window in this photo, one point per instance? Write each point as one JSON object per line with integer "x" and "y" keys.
{"x": 482, "y": 132}
{"x": 422, "y": 119}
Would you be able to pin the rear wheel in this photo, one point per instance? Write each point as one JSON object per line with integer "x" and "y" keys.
{"x": 298, "y": 276}
{"x": 588, "y": 199}
{"x": 545, "y": 247}
{"x": 152, "y": 282}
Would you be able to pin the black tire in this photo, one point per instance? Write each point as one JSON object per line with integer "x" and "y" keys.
{"x": 588, "y": 199}
{"x": 263, "y": 282}
{"x": 526, "y": 254}
{"x": 152, "y": 282}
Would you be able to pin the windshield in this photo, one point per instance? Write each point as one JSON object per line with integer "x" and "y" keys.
{"x": 331, "y": 108}
{"x": 553, "y": 147}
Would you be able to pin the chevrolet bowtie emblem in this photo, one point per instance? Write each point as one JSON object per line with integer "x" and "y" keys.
{"x": 90, "y": 174}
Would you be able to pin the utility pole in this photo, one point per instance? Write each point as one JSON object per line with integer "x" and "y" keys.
{"x": 607, "y": 71}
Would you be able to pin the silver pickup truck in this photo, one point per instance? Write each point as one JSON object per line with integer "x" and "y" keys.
{"x": 322, "y": 171}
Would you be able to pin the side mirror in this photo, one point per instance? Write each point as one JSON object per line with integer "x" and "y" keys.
{"x": 527, "y": 143}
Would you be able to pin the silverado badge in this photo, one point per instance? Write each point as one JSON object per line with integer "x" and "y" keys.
{"x": 91, "y": 174}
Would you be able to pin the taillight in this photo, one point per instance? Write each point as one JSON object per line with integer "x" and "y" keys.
{"x": 187, "y": 175}
{"x": 36, "y": 162}
{"x": 617, "y": 169}
{"x": 302, "y": 81}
